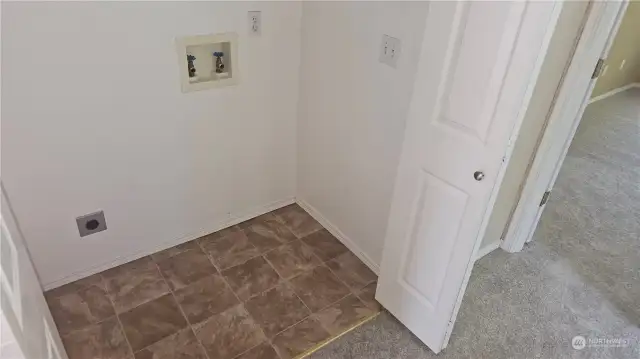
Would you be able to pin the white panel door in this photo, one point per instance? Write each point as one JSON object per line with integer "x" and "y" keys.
{"x": 478, "y": 66}
{"x": 23, "y": 305}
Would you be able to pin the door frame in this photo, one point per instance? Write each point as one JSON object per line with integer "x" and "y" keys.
{"x": 602, "y": 23}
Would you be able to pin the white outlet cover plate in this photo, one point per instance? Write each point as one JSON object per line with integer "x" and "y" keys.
{"x": 390, "y": 49}
{"x": 257, "y": 15}
{"x": 181, "y": 47}
{"x": 385, "y": 47}
{"x": 396, "y": 49}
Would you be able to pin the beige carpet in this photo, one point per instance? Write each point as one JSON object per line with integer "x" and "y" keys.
{"x": 580, "y": 275}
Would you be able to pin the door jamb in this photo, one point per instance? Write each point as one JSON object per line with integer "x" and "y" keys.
{"x": 603, "y": 21}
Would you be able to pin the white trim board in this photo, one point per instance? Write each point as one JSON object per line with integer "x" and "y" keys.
{"x": 483, "y": 251}
{"x": 237, "y": 218}
{"x": 348, "y": 242}
{"x": 615, "y": 91}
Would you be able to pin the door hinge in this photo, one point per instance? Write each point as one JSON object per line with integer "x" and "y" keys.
{"x": 545, "y": 198}
{"x": 598, "y": 70}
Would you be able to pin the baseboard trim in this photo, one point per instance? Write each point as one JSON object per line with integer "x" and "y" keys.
{"x": 235, "y": 219}
{"x": 333, "y": 229}
{"x": 483, "y": 251}
{"x": 615, "y": 91}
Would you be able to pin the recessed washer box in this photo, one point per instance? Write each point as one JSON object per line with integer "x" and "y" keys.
{"x": 208, "y": 61}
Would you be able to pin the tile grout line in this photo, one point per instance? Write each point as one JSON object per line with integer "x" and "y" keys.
{"x": 324, "y": 264}
{"x": 283, "y": 280}
{"x": 290, "y": 228}
{"x": 268, "y": 340}
{"x": 221, "y": 275}
{"x": 351, "y": 291}
{"x": 241, "y": 303}
{"x": 345, "y": 283}
{"x": 150, "y": 299}
{"x": 117, "y": 315}
{"x": 225, "y": 282}
{"x": 181, "y": 312}
{"x": 235, "y": 265}
{"x": 340, "y": 279}
{"x": 255, "y": 346}
{"x": 311, "y": 312}
{"x": 90, "y": 324}
{"x": 333, "y": 338}
{"x": 280, "y": 246}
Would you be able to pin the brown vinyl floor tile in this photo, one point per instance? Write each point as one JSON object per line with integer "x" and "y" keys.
{"x": 262, "y": 351}
{"x": 182, "y": 345}
{"x": 76, "y": 310}
{"x": 343, "y": 315}
{"x": 325, "y": 245}
{"x": 152, "y": 321}
{"x": 134, "y": 283}
{"x": 93, "y": 280}
{"x": 186, "y": 268}
{"x": 267, "y": 232}
{"x": 368, "y": 296}
{"x": 252, "y": 277}
{"x": 104, "y": 340}
{"x": 229, "y": 249}
{"x": 272, "y": 287}
{"x": 205, "y": 298}
{"x": 300, "y": 338}
{"x": 173, "y": 251}
{"x": 319, "y": 288}
{"x": 297, "y": 220}
{"x": 229, "y": 333}
{"x": 355, "y": 274}
{"x": 277, "y": 309}
{"x": 292, "y": 259}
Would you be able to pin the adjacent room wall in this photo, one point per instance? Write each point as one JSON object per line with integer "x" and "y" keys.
{"x": 352, "y": 114}
{"x": 93, "y": 118}
{"x": 626, "y": 46}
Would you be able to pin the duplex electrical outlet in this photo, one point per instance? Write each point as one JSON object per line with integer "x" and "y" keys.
{"x": 255, "y": 22}
{"x": 390, "y": 49}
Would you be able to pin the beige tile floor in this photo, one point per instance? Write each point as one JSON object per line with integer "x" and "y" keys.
{"x": 269, "y": 288}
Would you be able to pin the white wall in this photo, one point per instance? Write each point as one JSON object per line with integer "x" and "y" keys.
{"x": 352, "y": 112}
{"x": 93, "y": 118}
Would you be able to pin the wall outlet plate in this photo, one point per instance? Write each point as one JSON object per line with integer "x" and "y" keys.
{"x": 91, "y": 223}
{"x": 255, "y": 22}
{"x": 390, "y": 49}
{"x": 203, "y": 47}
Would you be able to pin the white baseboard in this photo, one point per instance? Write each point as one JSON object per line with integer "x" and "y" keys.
{"x": 614, "y": 91}
{"x": 486, "y": 249}
{"x": 348, "y": 242}
{"x": 235, "y": 219}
